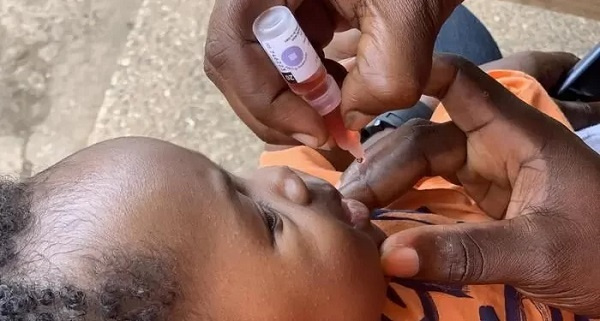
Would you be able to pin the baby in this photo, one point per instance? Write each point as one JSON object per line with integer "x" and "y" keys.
{"x": 140, "y": 229}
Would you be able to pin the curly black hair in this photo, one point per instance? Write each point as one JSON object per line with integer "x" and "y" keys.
{"x": 135, "y": 288}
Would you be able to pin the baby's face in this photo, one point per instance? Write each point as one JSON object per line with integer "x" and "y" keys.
{"x": 276, "y": 246}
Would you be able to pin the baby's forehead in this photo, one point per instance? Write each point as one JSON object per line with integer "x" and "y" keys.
{"x": 130, "y": 163}
{"x": 133, "y": 190}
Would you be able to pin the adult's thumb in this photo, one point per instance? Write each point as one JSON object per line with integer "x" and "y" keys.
{"x": 393, "y": 59}
{"x": 479, "y": 253}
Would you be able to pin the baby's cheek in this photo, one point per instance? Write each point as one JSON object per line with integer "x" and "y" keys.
{"x": 261, "y": 293}
{"x": 334, "y": 268}
{"x": 354, "y": 297}
{"x": 354, "y": 279}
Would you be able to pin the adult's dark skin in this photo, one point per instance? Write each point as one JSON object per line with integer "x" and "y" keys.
{"x": 392, "y": 66}
{"x": 536, "y": 180}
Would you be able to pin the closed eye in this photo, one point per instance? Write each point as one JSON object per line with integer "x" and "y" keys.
{"x": 270, "y": 216}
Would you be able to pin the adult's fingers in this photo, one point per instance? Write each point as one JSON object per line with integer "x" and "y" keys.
{"x": 549, "y": 68}
{"x": 475, "y": 101}
{"x": 580, "y": 114}
{"x": 483, "y": 111}
{"x": 469, "y": 253}
{"x": 263, "y": 132}
{"x": 393, "y": 57}
{"x": 505, "y": 135}
{"x": 237, "y": 64}
{"x": 396, "y": 162}
{"x": 343, "y": 46}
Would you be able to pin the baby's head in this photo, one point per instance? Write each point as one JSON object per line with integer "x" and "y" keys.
{"x": 139, "y": 229}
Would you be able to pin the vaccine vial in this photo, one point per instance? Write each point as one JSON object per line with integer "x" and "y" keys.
{"x": 280, "y": 35}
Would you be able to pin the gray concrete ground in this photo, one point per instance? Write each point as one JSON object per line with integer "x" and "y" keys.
{"x": 75, "y": 72}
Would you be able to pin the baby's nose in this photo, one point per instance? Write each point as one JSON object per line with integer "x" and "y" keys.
{"x": 287, "y": 183}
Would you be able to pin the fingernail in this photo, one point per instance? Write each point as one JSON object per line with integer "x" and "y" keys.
{"x": 307, "y": 140}
{"x": 348, "y": 63}
{"x": 400, "y": 261}
{"x": 325, "y": 147}
{"x": 355, "y": 120}
{"x": 330, "y": 145}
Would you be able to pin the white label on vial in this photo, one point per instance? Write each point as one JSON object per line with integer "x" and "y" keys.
{"x": 293, "y": 55}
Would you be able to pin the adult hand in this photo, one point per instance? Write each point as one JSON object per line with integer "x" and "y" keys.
{"x": 522, "y": 168}
{"x": 550, "y": 68}
{"x": 581, "y": 114}
{"x": 392, "y": 65}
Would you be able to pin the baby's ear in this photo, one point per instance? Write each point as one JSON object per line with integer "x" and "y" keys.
{"x": 15, "y": 216}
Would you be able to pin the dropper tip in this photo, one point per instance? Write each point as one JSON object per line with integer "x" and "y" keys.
{"x": 355, "y": 150}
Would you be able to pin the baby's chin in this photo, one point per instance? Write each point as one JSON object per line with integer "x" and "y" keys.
{"x": 360, "y": 217}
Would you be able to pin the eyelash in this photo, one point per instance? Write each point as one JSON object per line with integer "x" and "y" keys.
{"x": 271, "y": 216}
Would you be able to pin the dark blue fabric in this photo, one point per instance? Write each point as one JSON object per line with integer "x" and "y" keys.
{"x": 487, "y": 313}
{"x": 512, "y": 304}
{"x": 463, "y": 34}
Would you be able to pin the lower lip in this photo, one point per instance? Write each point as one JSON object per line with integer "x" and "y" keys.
{"x": 355, "y": 212}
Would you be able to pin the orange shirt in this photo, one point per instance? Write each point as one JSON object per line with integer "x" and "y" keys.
{"x": 417, "y": 301}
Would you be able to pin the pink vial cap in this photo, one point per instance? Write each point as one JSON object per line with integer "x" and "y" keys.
{"x": 330, "y": 100}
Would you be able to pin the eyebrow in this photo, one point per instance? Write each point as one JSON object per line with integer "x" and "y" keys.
{"x": 233, "y": 188}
